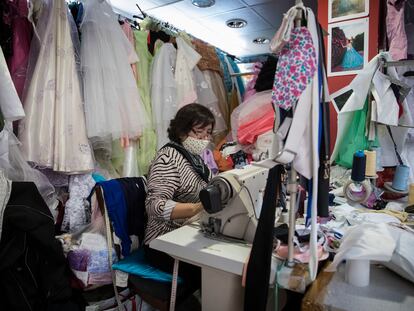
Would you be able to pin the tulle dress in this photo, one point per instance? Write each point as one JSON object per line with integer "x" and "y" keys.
{"x": 53, "y": 134}
{"x": 12, "y": 163}
{"x": 113, "y": 106}
{"x": 352, "y": 59}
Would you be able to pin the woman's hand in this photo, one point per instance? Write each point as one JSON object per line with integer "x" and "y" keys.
{"x": 186, "y": 210}
{"x": 198, "y": 207}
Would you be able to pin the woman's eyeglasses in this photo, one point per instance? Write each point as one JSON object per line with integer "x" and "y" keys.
{"x": 202, "y": 134}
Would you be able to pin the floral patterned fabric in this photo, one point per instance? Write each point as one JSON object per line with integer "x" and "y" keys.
{"x": 295, "y": 68}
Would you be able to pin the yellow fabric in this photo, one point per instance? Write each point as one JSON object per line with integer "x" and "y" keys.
{"x": 403, "y": 216}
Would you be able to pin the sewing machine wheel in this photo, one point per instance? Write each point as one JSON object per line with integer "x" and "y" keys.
{"x": 225, "y": 188}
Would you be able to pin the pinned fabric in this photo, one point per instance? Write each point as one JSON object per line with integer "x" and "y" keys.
{"x": 295, "y": 70}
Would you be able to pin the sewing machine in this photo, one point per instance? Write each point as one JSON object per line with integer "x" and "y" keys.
{"x": 232, "y": 202}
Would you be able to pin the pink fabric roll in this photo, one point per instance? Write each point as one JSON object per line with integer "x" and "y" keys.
{"x": 248, "y": 132}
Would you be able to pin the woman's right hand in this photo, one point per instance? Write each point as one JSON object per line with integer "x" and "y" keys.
{"x": 198, "y": 207}
{"x": 186, "y": 210}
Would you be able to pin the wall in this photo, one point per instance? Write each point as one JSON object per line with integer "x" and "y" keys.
{"x": 338, "y": 82}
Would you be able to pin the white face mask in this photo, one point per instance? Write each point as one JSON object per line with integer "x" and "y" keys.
{"x": 195, "y": 145}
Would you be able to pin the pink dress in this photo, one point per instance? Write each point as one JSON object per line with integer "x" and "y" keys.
{"x": 396, "y": 34}
{"x": 22, "y": 35}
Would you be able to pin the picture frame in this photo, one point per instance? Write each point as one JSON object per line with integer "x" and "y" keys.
{"x": 340, "y": 10}
{"x": 347, "y": 47}
{"x": 340, "y": 97}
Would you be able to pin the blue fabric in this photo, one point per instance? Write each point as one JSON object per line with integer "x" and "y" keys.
{"x": 80, "y": 14}
{"x": 320, "y": 128}
{"x": 136, "y": 264}
{"x": 236, "y": 69}
{"x": 98, "y": 177}
{"x": 227, "y": 78}
{"x": 117, "y": 212}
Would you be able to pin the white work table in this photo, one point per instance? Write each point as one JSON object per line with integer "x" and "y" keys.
{"x": 221, "y": 265}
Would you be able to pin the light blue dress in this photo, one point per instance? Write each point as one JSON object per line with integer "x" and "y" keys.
{"x": 352, "y": 59}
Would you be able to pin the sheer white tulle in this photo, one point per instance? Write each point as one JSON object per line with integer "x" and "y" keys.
{"x": 15, "y": 168}
{"x": 113, "y": 105}
{"x": 53, "y": 134}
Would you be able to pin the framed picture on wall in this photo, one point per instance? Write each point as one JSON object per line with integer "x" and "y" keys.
{"x": 339, "y": 10}
{"x": 339, "y": 98}
{"x": 347, "y": 47}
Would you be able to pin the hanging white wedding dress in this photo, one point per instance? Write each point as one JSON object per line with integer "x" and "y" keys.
{"x": 12, "y": 163}
{"x": 53, "y": 134}
{"x": 113, "y": 105}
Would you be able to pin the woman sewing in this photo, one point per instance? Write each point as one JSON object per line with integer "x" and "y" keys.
{"x": 176, "y": 177}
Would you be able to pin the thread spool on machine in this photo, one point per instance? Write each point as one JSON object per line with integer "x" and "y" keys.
{"x": 358, "y": 189}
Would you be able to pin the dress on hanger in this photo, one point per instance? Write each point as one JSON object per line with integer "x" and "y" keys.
{"x": 22, "y": 34}
{"x": 53, "y": 133}
{"x": 207, "y": 98}
{"x": 148, "y": 141}
{"x": 113, "y": 105}
{"x": 164, "y": 91}
{"x": 187, "y": 59}
{"x": 396, "y": 33}
{"x": 12, "y": 163}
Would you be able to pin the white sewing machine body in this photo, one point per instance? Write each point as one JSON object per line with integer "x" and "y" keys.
{"x": 233, "y": 201}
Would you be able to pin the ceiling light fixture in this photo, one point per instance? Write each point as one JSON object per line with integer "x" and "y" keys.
{"x": 261, "y": 40}
{"x": 203, "y": 3}
{"x": 236, "y": 23}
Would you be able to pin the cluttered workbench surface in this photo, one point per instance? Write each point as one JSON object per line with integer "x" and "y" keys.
{"x": 386, "y": 291}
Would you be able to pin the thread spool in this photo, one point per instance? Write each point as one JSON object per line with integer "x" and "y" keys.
{"x": 411, "y": 194}
{"x": 371, "y": 163}
{"x": 358, "y": 166}
{"x": 357, "y": 272}
{"x": 357, "y": 192}
{"x": 378, "y": 158}
{"x": 401, "y": 175}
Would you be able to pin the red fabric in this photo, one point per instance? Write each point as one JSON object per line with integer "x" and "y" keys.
{"x": 223, "y": 164}
{"x": 248, "y": 132}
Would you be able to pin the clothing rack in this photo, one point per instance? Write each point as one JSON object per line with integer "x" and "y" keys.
{"x": 399, "y": 63}
{"x": 292, "y": 186}
{"x": 242, "y": 74}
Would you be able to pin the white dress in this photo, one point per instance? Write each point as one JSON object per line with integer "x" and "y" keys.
{"x": 163, "y": 91}
{"x": 187, "y": 59}
{"x": 53, "y": 134}
{"x": 113, "y": 105}
{"x": 12, "y": 164}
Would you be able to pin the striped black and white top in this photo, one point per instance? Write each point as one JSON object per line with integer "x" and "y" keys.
{"x": 171, "y": 179}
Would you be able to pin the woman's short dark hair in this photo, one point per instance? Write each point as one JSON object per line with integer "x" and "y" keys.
{"x": 187, "y": 118}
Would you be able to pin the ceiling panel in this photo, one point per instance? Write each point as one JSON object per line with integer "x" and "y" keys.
{"x": 218, "y": 22}
{"x": 209, "y": 24}
{"x": 130, "y": 6}
{"x": 162, "y": 2}
{"x": 273, "y": 11}
{"x": 266, "y": 33}
{"x": 167, "y": 13}
{"x": 254, "y": 2}
{"x": 221, "y": 6}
